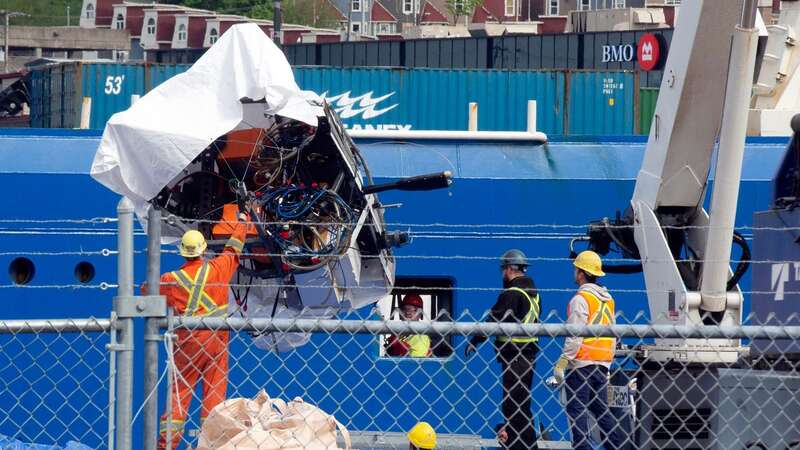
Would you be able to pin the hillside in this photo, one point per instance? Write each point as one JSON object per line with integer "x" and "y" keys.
{"x": 44, "y": 12}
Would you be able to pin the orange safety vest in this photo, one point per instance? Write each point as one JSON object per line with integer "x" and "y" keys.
{"x": 199, "y": 303}
{"x": 600, "y": 313}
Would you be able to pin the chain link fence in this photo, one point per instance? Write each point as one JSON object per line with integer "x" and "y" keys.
{"x": 651, "y": 397}
{"x": 54, "y": 383}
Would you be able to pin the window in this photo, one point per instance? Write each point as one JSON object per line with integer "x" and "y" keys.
{"x": 355, "y": 27}
{"x": 90, "y": 11}
{"x": 356, "y": 6}
{"x": 672, "y": 2}
{"x": 386, "y": 28}
{"x": 120, "y": 22}
{"x": 510, "y": 8}
{"x": 584, "y": 5}
{"x": 181, "y": 32}
{"x": 437, "y": 305}
{"x": 213, "y": 35}
{"x": 619, "y": 4}
{"x": 151, "y": 26}
{"x": 458, "y": 6}
{"x": 552, "y": 7}
{"x": 408, "y": 6}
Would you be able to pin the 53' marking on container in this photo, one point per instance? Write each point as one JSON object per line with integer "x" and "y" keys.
{"x": 114, "y": 84}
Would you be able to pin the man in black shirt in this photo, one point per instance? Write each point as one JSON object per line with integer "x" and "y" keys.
{"x": 518, "y": 303}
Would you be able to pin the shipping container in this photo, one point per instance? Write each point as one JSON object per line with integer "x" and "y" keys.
{"x": 601, "y": 103}
{"x": 438, "y": 99}
{"x": 159, "y": 73}
{"x": 55, "y": 96}
{"x": 647, "y": 108}
{"x": 568, "y": 102}
{"x": 608, "y": 50}
{"x": 57, "y": 92}
{"x": 111, "y": 87}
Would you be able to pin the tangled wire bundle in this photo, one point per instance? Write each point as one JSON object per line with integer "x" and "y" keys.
{"x": 310, "y": 225}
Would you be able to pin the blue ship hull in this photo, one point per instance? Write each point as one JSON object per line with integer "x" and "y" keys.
{"x": 562, "y": 183}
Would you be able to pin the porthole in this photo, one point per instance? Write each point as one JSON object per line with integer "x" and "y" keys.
{"x": 21, "y": 271}
{"x": 84, "y": 272}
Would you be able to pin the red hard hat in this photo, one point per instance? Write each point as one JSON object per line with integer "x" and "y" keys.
{"x": 411, "y": 299}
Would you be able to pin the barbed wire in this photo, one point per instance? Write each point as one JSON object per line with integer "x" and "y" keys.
{"x": 172, "y": 218}
{"x": 105, "y": 285}
{"x": 64, "y": 220}
{"x": 102, "y": 286}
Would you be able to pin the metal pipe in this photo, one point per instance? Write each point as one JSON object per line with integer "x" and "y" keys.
{"x": 531, "y": 116}
{"x": 472, "y": 124}
{"x": 112, "y": 381}
{"x": 515, "y": 136}
{"x": 5, "y": 44}
{"x": 276, "y": 22}
{"x": 728, "y": 173}
{"x": 125, "y": 326}
{"x": 484, "y": 328}
{"x": 151, "y": 330}
{"x": 749, "y": 14}
{"x": 55, "y": 326}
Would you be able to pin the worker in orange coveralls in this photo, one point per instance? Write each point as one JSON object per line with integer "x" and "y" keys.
{"x": 200, "y": 289}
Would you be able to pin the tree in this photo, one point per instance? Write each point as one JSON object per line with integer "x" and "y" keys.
{"x": 463, "y": 7}
{"x": 314, "y": 13}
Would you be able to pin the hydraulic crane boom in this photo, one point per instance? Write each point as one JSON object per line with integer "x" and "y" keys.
{"x": 685, "y": 253}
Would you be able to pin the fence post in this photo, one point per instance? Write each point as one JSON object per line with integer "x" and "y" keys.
{"x": 124, "y": 325}
{"x": 151, "y": 330}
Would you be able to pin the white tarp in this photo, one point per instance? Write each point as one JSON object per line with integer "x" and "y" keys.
{"x": 146, "y": 146}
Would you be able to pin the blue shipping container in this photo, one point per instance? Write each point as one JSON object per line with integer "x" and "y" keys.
{"x": 160, "y": 73}
{"x": 601, "y": 103}
{"x": 432, "y": 99}
{"x": 428, "y": 99}
{"x": 57, "y": 92}
{"x": 111, "y": 86}
{"x": 573, "y": 103}
{"x": 55, "y": 99}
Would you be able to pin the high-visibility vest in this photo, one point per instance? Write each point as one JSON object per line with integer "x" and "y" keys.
{"x": 419, "y": 345}
{"x": 199, "y": 303}
{"x": 600, "y": 313}
{"x": 531, "y": 317}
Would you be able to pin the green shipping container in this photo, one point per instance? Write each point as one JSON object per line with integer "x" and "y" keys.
{"x": 647, "y": 108}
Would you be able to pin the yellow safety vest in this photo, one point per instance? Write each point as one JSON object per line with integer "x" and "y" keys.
{"x": 531, "y": 317}
{"x": 418, "y": 345}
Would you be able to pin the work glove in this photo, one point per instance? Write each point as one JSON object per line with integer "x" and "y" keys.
{"x": 558, "y": 372}
{"x": 470, "y": 349}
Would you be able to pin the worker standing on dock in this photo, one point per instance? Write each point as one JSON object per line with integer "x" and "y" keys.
{"x": 200, "y": 289}
{"x": 518, "y": 303}
{"x": 586, "y": 360}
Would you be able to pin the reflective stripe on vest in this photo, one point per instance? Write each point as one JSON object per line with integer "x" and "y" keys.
{"x": 600, "y": 313}
{"x": 531, "y": 317}
{"x": 235, "y": 244}
{"x": 198, "y": 297}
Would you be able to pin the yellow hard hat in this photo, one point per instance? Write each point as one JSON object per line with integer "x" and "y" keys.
{"x": 589, "y": 262}
{"x": 422, "y": 436}
{"x": 193, "y": 244}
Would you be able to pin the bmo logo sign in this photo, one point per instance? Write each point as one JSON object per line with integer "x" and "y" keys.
{"x": 618, "y": 53}
{"x": 647, "y": 51}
